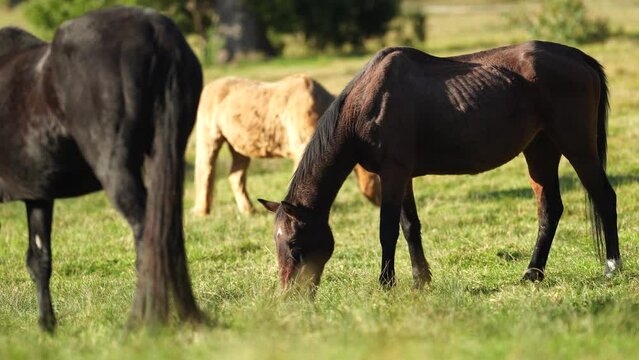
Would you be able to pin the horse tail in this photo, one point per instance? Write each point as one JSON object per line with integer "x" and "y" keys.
{"x": 176, "y": 83}
{"x": 602, "y": 144}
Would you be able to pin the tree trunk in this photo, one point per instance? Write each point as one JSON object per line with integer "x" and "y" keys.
{"x": 243, "y": 32}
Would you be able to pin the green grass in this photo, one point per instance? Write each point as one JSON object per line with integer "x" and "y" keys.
{"x": 475, "y": 308}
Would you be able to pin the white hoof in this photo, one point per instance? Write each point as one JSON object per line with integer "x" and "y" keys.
{"x": 613, "y": 266}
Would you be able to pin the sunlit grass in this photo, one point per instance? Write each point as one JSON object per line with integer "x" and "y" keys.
{"x": 478, "y": 234}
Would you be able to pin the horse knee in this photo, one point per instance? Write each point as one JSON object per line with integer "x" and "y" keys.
{"x": 38, "y": 264}
{"x": 237, "y": 180}
{"x": 555, "y": 211}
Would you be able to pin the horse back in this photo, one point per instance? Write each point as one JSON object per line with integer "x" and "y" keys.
{"x": 463, "y": 114}
{"x": 264, "y": 119}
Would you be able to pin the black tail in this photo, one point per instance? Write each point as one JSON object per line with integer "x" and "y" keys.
{"x": 178, "y": 80}
{"x": 602, "y": 144}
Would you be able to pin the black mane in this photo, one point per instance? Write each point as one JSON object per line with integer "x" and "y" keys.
{"x": 321, "y": 142}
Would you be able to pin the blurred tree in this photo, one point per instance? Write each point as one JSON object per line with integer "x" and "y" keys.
{"x": 328, "y": 22}
{"x": 567, "y": 21}
{"x": 564, "y": 21}
{"x": 49, "y": 14}
{"x": 243, "y": 25}
{"x": 11, "y": 3}
{"x": 243, "y": 31}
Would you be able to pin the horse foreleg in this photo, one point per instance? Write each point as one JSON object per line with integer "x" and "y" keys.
{"x": 39, "y": 217}
{"x": 207, "y": 148}
{"x": 125, "y": 189}
{"x": 411, "y": 228}
{"x": 237, "y": 179}
{"x": 543, "y": 158}
{"x": 394, "y": 182}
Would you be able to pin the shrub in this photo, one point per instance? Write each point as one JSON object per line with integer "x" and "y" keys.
{"x": 47, "y": 15}
{"x": 408, "y": 29}
{"x": 567, "y": 21}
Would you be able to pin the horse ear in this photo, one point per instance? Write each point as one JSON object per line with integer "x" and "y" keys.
{"x": 269, "y": 205}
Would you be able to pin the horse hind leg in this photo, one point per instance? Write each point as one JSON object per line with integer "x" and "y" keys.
{"x": 39, "y": 218}
{"x": 542, "y": 158}
{"x": 581, "y": 147}
{"x": 411, "y": 227}
{"x": 125, "y": 189}
{"x": 207, "y": 149}
{"x": 603, "y": 207}
{"x": 237, "y": 179}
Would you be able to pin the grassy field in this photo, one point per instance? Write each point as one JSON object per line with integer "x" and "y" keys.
{"x": 478, "y": 234}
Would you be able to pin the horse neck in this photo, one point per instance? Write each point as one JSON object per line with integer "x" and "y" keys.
{"x": 317, "y": 179}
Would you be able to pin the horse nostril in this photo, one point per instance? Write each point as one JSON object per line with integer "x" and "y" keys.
{"x": 297, "y": 256}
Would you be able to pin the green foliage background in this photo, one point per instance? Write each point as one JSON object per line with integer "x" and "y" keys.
{"x": 334, "y": 22}
{"x": 563, "y": 21}
{"x": 478, "y": 233}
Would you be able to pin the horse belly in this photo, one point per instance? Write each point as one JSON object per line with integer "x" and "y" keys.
{"x": 252, "y": 132}
{"x": 46, "y": 171}
{"x": 475, "y": 145}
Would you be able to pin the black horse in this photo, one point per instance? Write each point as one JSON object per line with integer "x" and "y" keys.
{"x": 109, "y": 104}
{"x": 409, "y": 114}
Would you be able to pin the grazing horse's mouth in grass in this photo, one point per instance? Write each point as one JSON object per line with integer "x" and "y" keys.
{"x": 303, "y": 246}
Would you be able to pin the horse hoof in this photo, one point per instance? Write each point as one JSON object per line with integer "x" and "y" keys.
{"x": 420, "y": 279}
{"x": 48, "y": 323}
{"x": 199, "y": 212}
{"x": 387, "y": 281}
{"x": 613, "y": 266}
{"x": 247, "y": 211}
{"x": 533, "y": 275}
{"x": 418, "y": 284}
{"x": 197, "y": 318}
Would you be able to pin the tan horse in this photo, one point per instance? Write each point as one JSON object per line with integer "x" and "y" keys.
{"x": 259, "y": 120}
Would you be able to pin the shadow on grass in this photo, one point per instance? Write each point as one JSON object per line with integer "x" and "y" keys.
{"x": 567, "y": 183}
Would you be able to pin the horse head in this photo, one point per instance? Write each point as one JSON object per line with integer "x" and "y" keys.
{"x": 303, "y": 244}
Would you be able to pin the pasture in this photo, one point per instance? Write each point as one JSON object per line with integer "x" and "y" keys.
{"x": 478, "y": 234}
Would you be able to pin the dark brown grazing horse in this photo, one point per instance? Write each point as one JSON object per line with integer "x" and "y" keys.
{"x": 408, "y": 114}
{"x": 81, "y": 114}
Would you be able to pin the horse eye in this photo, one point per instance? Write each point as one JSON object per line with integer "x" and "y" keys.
{"x": 296, "y": 254}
